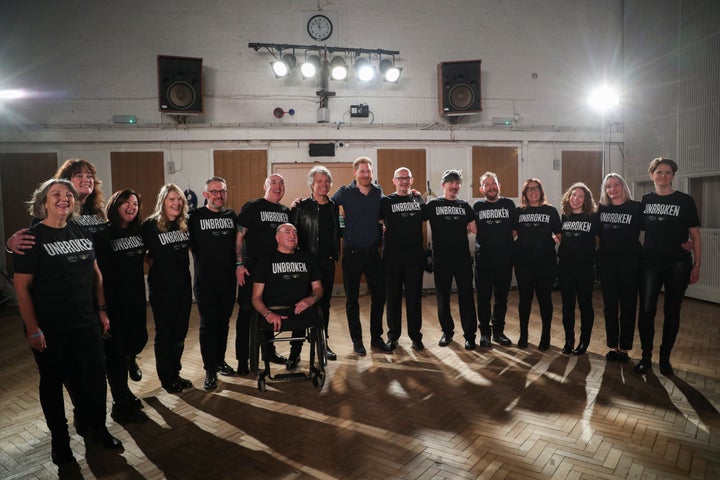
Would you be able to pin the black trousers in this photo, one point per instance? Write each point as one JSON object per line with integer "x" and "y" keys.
{"x": 576, "y": 283}
{"x": 619, "y": 279}
{"x": 127, "y": 338}
{"x": 356, "y": 263}
{"x": 492, "y": 277}
{"x": 77, "y": 354}
{"x": 171, "y": 311}
{"x": 674, "y": 276}
{"x": 327, "y": 279}
{"x": 215, "y": 306}
{"x": 404, "y": 272}
{"x": 460, "y": 269}
{"x": 297, "y": 324}
{"x": 536, "y": 279}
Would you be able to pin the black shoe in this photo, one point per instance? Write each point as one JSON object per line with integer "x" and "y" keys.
{"x": 225, "y": 370}
{"x": 523, "y": 342}
{"x": 380, "y": 345}
{"x": 329, "y": 354}
{"x": 484, "y": 341}
{"x": 184, "y": 382}
{"x": 623, "y": 357}
{"x": 418, "y": 345}
{"x": 665, "y": 367}
{"x": 359, "y": 348}
{"x": 502, "y": 340}
{"x": 134, "y": 371}
{"x": 210, "y": 380}
{"x": 275, "y": 357}
{"x": 127, "y": 414}
{"x": 613, "y": 356}
{"x": 581, "y": 349}
{"x": 61, "y": 452}
{"x": 445, "y": 340}
{"x": 470, "y": 344}
{"x": 243, "y": 368}
{"x": 292, "y": 361}
{"x": 643, "y": 366}
{"x": 102, "y": 436}
{"x": 544, "y": 343}
{"x": 173, "y": 387}
{"x": 392, "y": 344}
{"x": 567, "y": 349}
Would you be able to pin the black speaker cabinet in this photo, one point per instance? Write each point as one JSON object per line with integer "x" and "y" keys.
{"x": 459, "y": 87}
{"x": 322, "y": 150}
{"x": 180, "y": 85}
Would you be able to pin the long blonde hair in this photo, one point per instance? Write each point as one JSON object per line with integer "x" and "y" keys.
{"x": 159, "y": 212}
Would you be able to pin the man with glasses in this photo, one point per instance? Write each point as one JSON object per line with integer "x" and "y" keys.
{"x": 493, "y": 258}
{"x": 451, "y": 219}
{"x": 404, "y": 256}
{"x": 212, "y": 240}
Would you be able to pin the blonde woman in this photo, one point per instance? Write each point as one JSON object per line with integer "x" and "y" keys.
{"x": 165, "y": 234}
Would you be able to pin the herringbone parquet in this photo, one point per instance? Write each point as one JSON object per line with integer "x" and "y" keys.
{"x": 442, "y": 413}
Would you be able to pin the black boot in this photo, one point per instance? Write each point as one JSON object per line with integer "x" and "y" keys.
{"x": 60, "y": 444}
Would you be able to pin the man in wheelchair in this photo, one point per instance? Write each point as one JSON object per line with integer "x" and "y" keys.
{"x": 286, "y": 289}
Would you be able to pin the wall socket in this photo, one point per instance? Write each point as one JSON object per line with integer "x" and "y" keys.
{"x": 360, "y": 110}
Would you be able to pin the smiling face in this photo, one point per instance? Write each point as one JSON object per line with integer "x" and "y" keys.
{"x": 173, "y": 205}
{"x": 286, "y": 237}
{"x": 490, "y": 188}
{"x": 128, "y": 210}
{"x": 577, "y": 200}
{"x": 84, "y": 182}
{"x": 216, "y": 194}
{"x": 403, "y": 181}
{"x": 274, "y": 188}
{"x": 614, "y": 191}
{"x": 60, "y": 203}
{"x": 451, "y": 189}
{"x": 321, "y": 185}
{"x": 533, "y": 194}
{"x": 364, "y": 174}
{"x": 662, "y": 177}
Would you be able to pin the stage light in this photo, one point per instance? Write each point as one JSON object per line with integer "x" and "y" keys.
{"x": 310, "y": 67}
{"x": 603, "y": 99}
{"x": 389, "y": 71}
{"x": 338, "y": 68}
{"x": 12, "y": 94}
{"x": 364, "y": 70}
{"x": 281, "y": 68}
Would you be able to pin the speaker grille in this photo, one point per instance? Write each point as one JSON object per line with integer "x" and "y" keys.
{"x": 461, "y": 96}
{"x": 181, "y": 95}
{"x": 180, "y": 84}
{"x": 459, "y": 88}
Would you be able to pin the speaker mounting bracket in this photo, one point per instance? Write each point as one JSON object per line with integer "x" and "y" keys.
{"x": 179, "y": 119}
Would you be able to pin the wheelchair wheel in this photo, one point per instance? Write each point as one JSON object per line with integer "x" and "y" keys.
{"x": 254, "y": 344}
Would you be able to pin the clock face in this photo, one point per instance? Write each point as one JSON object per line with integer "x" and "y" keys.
{"x": 319, "y": 27}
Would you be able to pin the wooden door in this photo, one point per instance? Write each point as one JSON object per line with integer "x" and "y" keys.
{"x": 583, "y": 167}
{"x": 143, "y": 172}
{"x": 503, "y": 161}
{"x": 244, "y": 172}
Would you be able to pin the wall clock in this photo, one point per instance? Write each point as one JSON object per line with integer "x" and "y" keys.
{"x": 319, "y": 27}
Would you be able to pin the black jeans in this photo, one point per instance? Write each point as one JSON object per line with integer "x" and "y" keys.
{"x": 297, "y": 324}
{"x": 327, "y": 279}
{"x": 404, "y": 272}
{"x": 215, "y": 307}
{"x": 492, "y": 277}
{"x": 356, "y": 263}
{"x": 576, "y": 282}
{"x": 461, "y": 270}
{"x": 79, "y": 354}
{"x": 171, "y": 311}
{"x": 674, "y": 276}
{"x": 536, "y": 278}
{"x": 619, "y": 278}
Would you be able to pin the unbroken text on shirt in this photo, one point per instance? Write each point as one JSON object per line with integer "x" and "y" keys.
{"x": 449, "y": 211}
{"x": 494, "y": 213}
{"x": 289, "y": 267}
{"x": 534, "y": 217}
{"x": 405, "y": 207}
{"x": 216, "y": 223}
{"x": 274, "y": 217}
{"x": 607, "y": 217}
{"x": 662, "y": 209}
{"x": 173, "y": 237}
{"x": 68, "y": 246}
{"x": 577, "y": 226}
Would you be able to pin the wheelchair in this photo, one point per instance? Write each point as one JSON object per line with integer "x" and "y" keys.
{"x": 314, "y": 335}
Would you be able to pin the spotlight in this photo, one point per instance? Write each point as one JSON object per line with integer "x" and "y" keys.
{"x": 364, "y": 70}
{"x": 389, "y": 71}
{"x": 281, "y": 68}
{"x": 338, "y": 69}
{"x": 310, "y": 67}
{"x": 603, "y": 98}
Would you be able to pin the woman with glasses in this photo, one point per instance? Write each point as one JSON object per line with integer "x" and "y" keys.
{"x": 537, "y": 229}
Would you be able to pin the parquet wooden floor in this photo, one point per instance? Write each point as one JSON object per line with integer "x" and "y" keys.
{"x": 444, "y": 413}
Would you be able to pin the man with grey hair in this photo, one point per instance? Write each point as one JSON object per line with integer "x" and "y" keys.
{"x": 316, "y": 220}
{"x": 451, "y": 219}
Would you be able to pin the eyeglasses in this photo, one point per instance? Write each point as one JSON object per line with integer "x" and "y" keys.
{"x": 215, "y": 193}
{"x": 533, "y": 189}
{"x": 403, "y": 179}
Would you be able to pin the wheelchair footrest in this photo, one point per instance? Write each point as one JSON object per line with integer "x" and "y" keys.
{"x": 290, "y": 377}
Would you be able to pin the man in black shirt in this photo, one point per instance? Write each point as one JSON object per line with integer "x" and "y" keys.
{"x": 493, "y": 258}
{"x": 404, "y": 257}
{"x": 256, "y": 225}
{"x": 212, "y": 240}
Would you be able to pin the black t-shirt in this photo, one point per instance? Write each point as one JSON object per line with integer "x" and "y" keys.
{"x": 120, "y": 255}
{"x": 212, "y": 239}
{"x": 62, "y": 265}
{"x": 494, "y": 221}
{"x": 261, "y": 218}
{"x": 287, "y": 277}
{"x": 578, "y": 237}
{"x": 449, "y": 220}
{"x": 169, "y": 253}
{"x": 326, "y": 225}
{"x": 620, "y": 227}
{"x": 535, "y": 227}
{"x": 403, "y": 225}
{"x": 668, "y": 219}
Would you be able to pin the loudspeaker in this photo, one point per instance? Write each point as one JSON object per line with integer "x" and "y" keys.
{"x": 459, "y": 87}
{"x": 180, "y": 84}
{"x": 322, "y": 150}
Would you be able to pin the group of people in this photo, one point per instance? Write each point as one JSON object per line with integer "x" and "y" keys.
{"x": 79, "y": 273}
